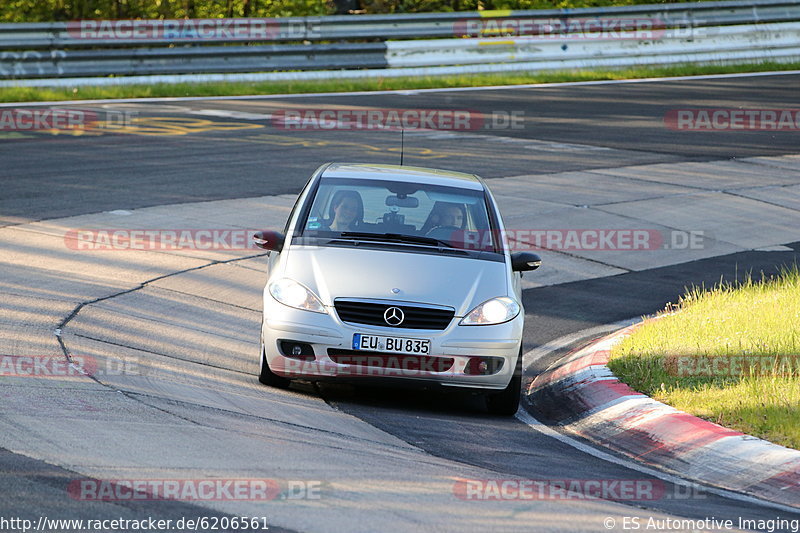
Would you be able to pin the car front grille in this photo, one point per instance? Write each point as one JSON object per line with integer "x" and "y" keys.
{"x": 372, "y": 313}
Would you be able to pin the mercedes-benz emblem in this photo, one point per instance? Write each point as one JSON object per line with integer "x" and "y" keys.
{"x": 394, "y": 316}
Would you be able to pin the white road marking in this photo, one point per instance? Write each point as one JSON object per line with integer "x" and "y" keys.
{"x": 229, "y": 114}
{"x": 405, "y": 92}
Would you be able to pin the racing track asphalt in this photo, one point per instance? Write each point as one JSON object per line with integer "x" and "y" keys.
{"x": 447, "y": 426}
{"x": 52, "y": 176}
{"x": 73, "y": 175}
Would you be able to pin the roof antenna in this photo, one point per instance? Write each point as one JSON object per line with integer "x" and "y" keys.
{"x": 402, "y": 139}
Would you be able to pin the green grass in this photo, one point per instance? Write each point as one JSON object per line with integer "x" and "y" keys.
{"x": 759, "y": 320}
{"x": 32, "y": 94}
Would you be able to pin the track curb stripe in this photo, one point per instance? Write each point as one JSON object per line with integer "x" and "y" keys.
{"x": 582, "y": 396}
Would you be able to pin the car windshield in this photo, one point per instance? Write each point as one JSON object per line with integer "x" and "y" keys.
{"x": 409, "y": 213}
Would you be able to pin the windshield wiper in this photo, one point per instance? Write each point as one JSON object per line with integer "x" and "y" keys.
{"x": 397, "y": 237}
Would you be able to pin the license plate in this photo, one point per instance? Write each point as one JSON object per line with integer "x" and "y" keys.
{"x": 378, "y": 343}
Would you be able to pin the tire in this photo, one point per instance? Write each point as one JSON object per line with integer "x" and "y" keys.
{"x": 267, "y": 377}
{"x": 506, "y": 402}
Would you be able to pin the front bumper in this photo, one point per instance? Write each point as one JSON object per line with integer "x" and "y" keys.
{"x": 464, "y": 345}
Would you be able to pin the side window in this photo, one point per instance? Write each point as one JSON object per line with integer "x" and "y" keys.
{"x": 321, "y": 206}
{"x": 476, "y": 214}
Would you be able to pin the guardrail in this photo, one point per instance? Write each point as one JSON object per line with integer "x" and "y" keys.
{"x": 302, "y": 47}
{"x": 717, "y": 43}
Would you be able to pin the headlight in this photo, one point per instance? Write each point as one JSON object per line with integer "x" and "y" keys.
{"x": 289, "y": 292}
{"x": 494, "y": 311}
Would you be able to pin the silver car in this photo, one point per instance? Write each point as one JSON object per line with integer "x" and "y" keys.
{"x": 390, "y": 272}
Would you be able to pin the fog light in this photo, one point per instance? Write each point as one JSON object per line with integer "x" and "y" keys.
{"x": 297, "y": 350}
{"x": 483, "y": 366}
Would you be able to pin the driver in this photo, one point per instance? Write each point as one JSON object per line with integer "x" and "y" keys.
{"x": 346, "y": 211}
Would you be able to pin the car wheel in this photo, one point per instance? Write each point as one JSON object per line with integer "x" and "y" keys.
{"x": 267, "y": 377}
{"x": 506, "y": 402}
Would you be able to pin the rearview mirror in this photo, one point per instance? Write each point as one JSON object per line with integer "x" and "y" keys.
{"x": 524, "y": 261}
{"x": 269, "y": 240}
{"x": 406, "y": 201}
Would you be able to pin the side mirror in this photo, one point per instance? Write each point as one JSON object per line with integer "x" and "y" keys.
{"x": 269, "y": 240}
{"x": 524, "y": 261}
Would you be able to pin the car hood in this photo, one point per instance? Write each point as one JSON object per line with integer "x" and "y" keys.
{"x": 440, "y": 279}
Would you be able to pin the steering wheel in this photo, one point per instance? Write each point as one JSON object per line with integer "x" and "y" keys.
{"x": 443, "y": 233}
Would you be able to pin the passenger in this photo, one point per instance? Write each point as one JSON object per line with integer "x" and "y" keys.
{"x": 444, "y": 214}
